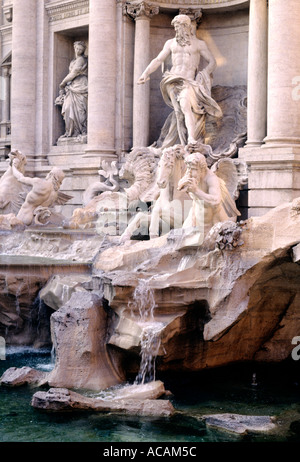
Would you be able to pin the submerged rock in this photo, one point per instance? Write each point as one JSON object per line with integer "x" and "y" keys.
{"x": 240, "y": 424}
{"x": 62, "y": 399}
{"x": 15, "y": 377}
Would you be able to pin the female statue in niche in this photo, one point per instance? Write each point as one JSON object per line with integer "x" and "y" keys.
{"x": 73, "y": 95}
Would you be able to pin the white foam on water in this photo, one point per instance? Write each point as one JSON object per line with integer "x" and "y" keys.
{"x": 20, "y": 350}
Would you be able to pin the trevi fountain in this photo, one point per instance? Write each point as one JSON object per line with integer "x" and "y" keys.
{"x": 150, "y": 221}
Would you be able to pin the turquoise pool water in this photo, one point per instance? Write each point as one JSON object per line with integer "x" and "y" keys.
{"x": 219, "y": 391}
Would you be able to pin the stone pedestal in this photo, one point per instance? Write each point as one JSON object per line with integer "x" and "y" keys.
{"x": 274, "y": 177}
{"x": 275, "y": 165}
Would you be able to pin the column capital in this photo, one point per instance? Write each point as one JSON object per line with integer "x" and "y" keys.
{"x": 195, "y": 14}
{"x": 140, "y": 10}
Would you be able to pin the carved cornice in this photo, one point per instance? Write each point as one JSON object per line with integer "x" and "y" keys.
{"x": 5, "y": 32}
{"x": 57, "y": 11}
{"x": 186, "y": 4}
{"x": 140, "y": 9}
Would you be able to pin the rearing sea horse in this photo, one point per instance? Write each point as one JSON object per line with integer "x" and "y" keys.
{"x": 169, "y": 210}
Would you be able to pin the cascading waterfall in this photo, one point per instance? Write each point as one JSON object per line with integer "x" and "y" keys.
{"x": 53, "y": 355}
{"x": 183, "y": 264}
{"x": 6, "y": 288}
{"x": 144, "y": 303}
{"x": 18, "y": 309}
{"x": 65, "y": 293}
{"x": 150, "y": 343}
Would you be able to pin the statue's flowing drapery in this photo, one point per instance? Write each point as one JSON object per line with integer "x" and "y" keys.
{"x": 199, "y": 95}
{"x": 74, "y": 109}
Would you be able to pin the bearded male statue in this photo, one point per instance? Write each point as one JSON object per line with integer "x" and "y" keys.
{"x": 184, "y": 88}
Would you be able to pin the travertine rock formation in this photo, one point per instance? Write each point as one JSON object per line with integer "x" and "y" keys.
{"x": 211, "y": 299}
{"x": 79, "y": 331}
{"x": 14, "y": 377}
{"x": 24, "y": 320}
{"x": 59, "y": 289}
{"x": 240, "y": 424}
{"x": 215, "y": 304}
{"x": 61, "y": 399}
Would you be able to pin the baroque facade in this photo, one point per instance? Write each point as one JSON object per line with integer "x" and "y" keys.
{"x": 256, "y": 45}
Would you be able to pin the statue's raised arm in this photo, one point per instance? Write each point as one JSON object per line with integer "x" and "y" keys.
{"x": 156, "y": 62}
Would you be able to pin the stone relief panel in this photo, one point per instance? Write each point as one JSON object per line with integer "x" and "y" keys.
{"x": 64, "y": 10}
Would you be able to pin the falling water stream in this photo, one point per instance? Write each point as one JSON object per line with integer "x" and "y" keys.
{"x": 150, "y": 343}
{"x": 144, "y": 303}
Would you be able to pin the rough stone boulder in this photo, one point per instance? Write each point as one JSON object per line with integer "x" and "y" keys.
{"x": 206, "y": 298}
{"x": 15, "y": 377}
{"x": 129, "y": 255}
{"x": 62, "y": 399}
{"x": 212, "y": 297}
{"x": 23, "y": 319}
{"x": 59, "y": 289}
{"x": 79, "y": 331}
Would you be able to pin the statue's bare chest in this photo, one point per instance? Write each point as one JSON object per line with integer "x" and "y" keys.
{"x": 185, "y": 53}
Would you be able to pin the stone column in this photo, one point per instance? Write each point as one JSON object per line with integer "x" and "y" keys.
{"x": 5, "y": 122}
{"x": 142, "y": 12}
{"x": 23, "y": 83}
{"x": 284, "y": 67}
{"x": 274, "y": 166}
{"x": 6, "y": 103}
{"x": 102, "y": 79}
{"x": 257, "y": 72}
